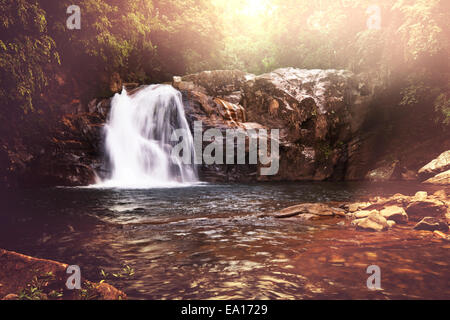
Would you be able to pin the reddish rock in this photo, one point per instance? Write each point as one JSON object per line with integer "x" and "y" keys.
{"x": 374, "y": 222}
{"x": 419, "y": 209}
{"x": 17, "y": 271}
{"x": 312, "y": 209}
{"x": 395, "y": 213}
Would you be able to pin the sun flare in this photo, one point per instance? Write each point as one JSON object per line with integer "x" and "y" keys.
{"x": 255, "y": 8}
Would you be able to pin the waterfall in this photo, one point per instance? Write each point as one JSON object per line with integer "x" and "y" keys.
{"x": 138, "y": 140}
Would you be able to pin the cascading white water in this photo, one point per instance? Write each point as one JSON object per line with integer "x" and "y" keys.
{"x": 138, "y": 142}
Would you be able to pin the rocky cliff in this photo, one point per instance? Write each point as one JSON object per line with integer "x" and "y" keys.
{"x": 318, "y": 112}
{"x": 321, "y": 114}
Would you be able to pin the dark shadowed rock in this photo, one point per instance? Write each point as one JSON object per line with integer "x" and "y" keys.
{"x": 432, "y": 224}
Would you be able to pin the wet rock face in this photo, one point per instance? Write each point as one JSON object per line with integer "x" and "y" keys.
{"x": 436, "y": 166}
{"x": 437, "y": 171}
{"x": 442, "y": 178}
{"x": 73, "y": 156}
{"x": 68, "y": 152}
{"x": 318, "y": 112}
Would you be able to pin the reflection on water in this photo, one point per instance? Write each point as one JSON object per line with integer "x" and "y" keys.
{"x": 207, "y": 242}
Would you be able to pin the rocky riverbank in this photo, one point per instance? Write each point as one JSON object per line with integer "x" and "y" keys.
{"x": 421, "y": 212}
{"x": 27, "y": 278}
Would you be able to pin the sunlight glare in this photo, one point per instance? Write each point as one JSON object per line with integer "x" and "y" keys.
{"x": 256, "y": 7}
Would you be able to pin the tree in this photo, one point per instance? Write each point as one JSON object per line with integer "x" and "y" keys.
{"x": 25, "y": 49}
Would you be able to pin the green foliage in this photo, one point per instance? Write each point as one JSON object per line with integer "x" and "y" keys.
{"x": 442, "y": 106}
{"x": 152, "y": 40}
{"x": 126, "y": 272}
{"x": 88, "y": 291}
{"x": 25, "y": 50}
{"x": 35, "y": 289}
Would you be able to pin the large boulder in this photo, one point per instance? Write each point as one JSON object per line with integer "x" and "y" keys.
{"x": 442, "y": 178}
{"x": 438, "y": 165}
{"x": 383, "y": 173}
{"x": 418, "y": 209}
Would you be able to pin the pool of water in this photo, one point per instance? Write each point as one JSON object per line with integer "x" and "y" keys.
{"x": 208, "y": 242}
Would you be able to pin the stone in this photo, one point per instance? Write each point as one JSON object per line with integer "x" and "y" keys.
{"x": 432, "y": 224}
{"x": 363, "y": 213}
{"x": 357, "y": 206}
{"x": 316, "y": 209}
{"x": 436, "y": 166}
{"x": 441, "y": 235}
{"x": 18, "y": 270}
{"x": 416, "y": 210}
{"x": 421, "y": 195}
{"x": 391, "y": 223}
{"x": 395, "y": 213}
{"x": 383, "y": 173}
{"x": 442, "y": 178}
{"x": 440, "y": 194}
{"x": 374, "y": 222}
{"x": 231, "y": 111}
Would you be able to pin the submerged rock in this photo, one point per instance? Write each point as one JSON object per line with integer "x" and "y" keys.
{"x": 441, "y": 235}
{"x": 312, "y": 210}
